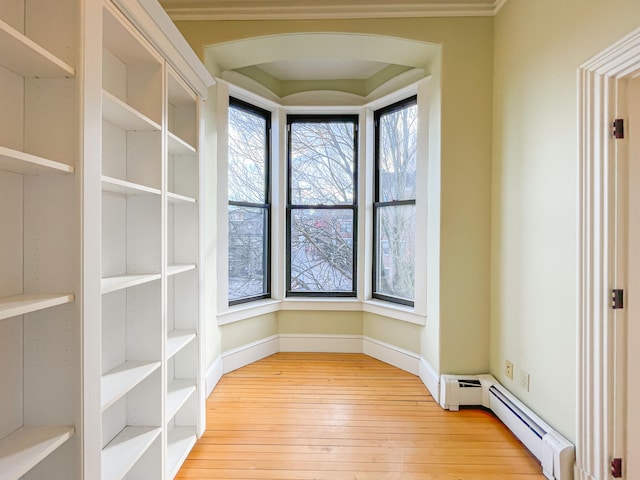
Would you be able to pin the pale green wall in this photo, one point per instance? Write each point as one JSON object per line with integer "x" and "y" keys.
{"x": 242, "y": 333}
{"x": 320, "y": 322}
{"x": 395, "y": 332}
{"x": 523, "y": 63}
{"x": 456, "y": 339}
{"x": 539, "y": 46}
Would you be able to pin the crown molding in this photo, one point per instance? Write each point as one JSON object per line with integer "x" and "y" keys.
{"x": 497, "y": 5}
{"x": 318, "y": 9}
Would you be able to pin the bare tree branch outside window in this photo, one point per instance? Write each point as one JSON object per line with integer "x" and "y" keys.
{"x": 394, "y": 207}
{"x": 249, "y": 209}
{"x": 322, "y": 205}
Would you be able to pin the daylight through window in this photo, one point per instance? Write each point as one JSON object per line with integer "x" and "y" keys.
{"x": 249, "y": 202}
{"x": 394, "y": 208}
{"x": 322, "y": 205}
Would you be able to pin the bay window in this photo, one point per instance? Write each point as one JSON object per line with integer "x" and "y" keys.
{"x": 322, "y": 210}
{"x": 394, "y": 206}
{"x": 249, "y": 213}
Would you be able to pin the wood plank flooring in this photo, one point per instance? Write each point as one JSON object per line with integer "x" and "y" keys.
{"x": 302, "y": 416}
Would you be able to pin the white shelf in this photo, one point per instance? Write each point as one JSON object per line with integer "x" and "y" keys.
{"x": 178, "y": 392}
{"x": 25, "y": 163}
{"x": 176, "y": 198}
{"x": 119, "y": 381}
{"x": 176, "y": 269}
{"x": 22, "y": 304}
{"x": 23, "y": 449}
{"x": 178, "y": 146}
{"x": 179, "y": 443}
{"x": 119, "y": 282}
{"x": 125, "y": 450}
{"x": 28, "y": 59}
{"x": 177, "y": 340}
{"x": 115, "y": 185}
{"x": 124, "y": 116}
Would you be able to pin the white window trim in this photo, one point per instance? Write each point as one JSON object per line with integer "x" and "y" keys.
{"x": 364, "y": 301}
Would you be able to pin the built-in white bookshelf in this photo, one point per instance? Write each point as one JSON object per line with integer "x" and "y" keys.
{"x": 131, "y": 224}
{"x": 144, "y": 412}
{"x": 40, "y": 321}
{"x": 184, "y": 386}
{"x": 100, "y": 298}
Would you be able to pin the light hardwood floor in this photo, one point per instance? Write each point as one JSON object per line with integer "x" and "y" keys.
{"x": 346, "y": 417}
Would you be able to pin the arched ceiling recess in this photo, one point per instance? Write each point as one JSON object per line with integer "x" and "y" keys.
{"x": 348, "y": 66}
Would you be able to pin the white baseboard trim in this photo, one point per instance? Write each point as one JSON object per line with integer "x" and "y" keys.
{"x": 213, "y": 375}
{"x": 321, "y": 343}
{"x": 247, "y": 354}
{"x": 430, "y": 378}
{"x": 392, "y": 355}
{"x": 385, "y": 352}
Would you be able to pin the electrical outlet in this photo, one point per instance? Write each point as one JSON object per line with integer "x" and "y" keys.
{"x": 508, "y": 369}
{"x": 524, "y": 380}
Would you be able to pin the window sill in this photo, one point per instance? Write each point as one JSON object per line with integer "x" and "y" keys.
{"x": 395, "y": 311}
{"x": 245, "y": 311}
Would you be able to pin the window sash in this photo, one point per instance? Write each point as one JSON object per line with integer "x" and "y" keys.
{"x": 291, "y": 207}
{"x": 378, "y": 205}
{"x": 354, "y": 248}
{"x": 376, "y": 253}
{"x": 265, "y": 206}
{"x": 265, "y": 280}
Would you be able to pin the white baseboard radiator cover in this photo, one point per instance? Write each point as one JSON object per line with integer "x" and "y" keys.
{"x": 555, "y": 453}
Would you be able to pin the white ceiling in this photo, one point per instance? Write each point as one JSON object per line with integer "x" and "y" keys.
{"x": 321, "y": 56}
{"x": 322, "y": 69}
{"x": 288, "y": 58}
{"x": 310, "y": 9}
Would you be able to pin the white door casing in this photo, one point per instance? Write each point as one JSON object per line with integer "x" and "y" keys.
{"x": 602, "y": 381}
{"x": 631, "y": 344}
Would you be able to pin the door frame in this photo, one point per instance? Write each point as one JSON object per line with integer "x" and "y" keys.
{"x": 601, "y": 387}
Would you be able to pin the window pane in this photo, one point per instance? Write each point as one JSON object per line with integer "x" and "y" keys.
{"x": 397, "y": 154}
{"x": 247, "y": 252}
{"x": 395, "y": 251}
{"x": 322, "y": 251}
{"x": 322, "y": 163}
{"x": 247, "y": 156}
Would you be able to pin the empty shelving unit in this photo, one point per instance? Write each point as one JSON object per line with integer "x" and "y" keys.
{"x": 142, "y": 257}
{"x": 100, "y": 258}
{"x": 40, "y": 322}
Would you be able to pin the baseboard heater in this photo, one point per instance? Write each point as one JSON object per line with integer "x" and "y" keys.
{"x": 555, "y": 453}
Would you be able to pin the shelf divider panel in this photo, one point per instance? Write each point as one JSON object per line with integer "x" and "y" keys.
{"x": 178, "y": 146}
{"x": 177, "y": 198}
{"x": 177, "y": 340}
{"x": 125, "y": 450}
{"x": 25, "y": 163}
{"x": 23, "y": 449}
{"x": 119, "y": 282}
{"x": 124, "y": 116}
{"x": 25, "y": 57}
{"x": 180, "y": 441}
{"x": 117, "y": 382}
{"x": 21, "y": 304}
{"x": 179, "y": 268}
{"x": 178, "y": 392}
{"x": 124, "y": 187}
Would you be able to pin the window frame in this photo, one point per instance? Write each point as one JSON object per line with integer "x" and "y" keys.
{"x": 377, "y": 204}
{"x": 353, "y": 207}
{"x": 266, "y": 207}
